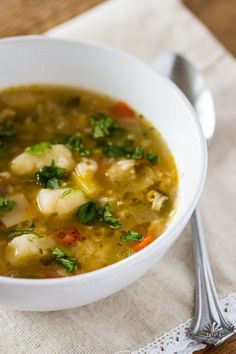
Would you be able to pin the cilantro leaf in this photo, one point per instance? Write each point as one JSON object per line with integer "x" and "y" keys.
{"x": 70, "y": 263}
{"x": 91, "y": 211}
{"x": 152, "y": 157}
{"x": 19, "y": 232}
{"x": 66, "y": 192}
{"x": 74, "y": 143}
{"x": 111, "y": 150}
{"x": 103, "y": 126}
{"x": 50, "y": 176}
{"x": 88, "y": 212}
{"x": 39, "y": 149}
{"x": 132, "y": 236}
{"x": 53, "y": 183}
{"x": 128, "y": 150}
{"x": 58, "y": 252}
{"x": 6, "y": 205}
{"x": 109, "y": 219}
{"x": 137, "y": 153}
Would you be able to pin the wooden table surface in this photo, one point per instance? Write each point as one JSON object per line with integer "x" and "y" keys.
{"x": 19, "y": 17}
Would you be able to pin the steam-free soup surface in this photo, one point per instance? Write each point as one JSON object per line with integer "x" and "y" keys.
{"x": 85, "y": 181}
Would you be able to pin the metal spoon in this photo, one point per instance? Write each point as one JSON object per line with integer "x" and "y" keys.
{"x": 210, "y": 325}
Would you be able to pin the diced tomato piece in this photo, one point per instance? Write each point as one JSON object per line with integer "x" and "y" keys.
{"x": 142, "y": 244}
{"x": 52, "y": 275}
{"x": 122, "y": 110}
{"x": 69, "y": 236}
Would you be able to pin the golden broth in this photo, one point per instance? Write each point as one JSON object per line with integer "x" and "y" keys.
{"x": 84, "y": 181}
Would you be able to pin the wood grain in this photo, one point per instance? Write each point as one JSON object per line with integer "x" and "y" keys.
{"x": 220, "y": 17}
{"x": 229, "y": 347}
{"x": 18, "y": 17}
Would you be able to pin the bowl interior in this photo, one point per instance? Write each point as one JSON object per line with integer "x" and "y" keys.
{"x": 29, "y": 60}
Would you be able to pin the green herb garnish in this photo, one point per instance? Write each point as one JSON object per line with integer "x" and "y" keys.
{"x": 58, "y": 252}
{"x": 130, "y": 151}
{"x": 109, "y": 219}
{"x": 39, "y": 149}
{"x": 66, "y": 192}
{"x": 103, "y": 126}
{"x": 152, "y": 157}
{"x": 50, "y": 176}
{"x": 132, "y": 236}
{"x": 19, "y": 232}
{"x": 111, "y": 150}
{"x": 70, "y": 263}
{"x": 91, "y": 211}
{"x": 88, "y": 212}
{"x": 127, "y": 150}
{"x": 6, "y": 205}
{"x": 74, "y": 143}
{"x": 137, "y": 153}
{"x": 52, "y": 183}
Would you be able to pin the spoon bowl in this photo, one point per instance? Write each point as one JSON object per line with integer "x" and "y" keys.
{"x": 193, "y": 85}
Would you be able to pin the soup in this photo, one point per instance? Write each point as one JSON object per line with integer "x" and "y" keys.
{"x": 85, "y": 181}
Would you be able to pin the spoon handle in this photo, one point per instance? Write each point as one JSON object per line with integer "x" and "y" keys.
{"x": 210, "y": 324}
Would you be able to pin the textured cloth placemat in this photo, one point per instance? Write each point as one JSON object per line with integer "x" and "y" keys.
{"x": 163, "y": 298}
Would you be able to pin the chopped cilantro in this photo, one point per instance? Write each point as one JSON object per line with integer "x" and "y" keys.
{"x": 53, "y": 183}
{"x": 50, "y": 176}
{"x": 137, "y": 153}
{"x": 132, "y": 236}
{"x": 70, "y": 263}
{"x": 39, "y": 149}
{"x": 111, "y": 150}
{"x": 88, "y": 212}
{"x": 91, "y": 211}
{"x": 66, "y": 192}
{"x": 152, "y": 157}
{"x": 127, "y": 150}
{"x": 58, "y": 252}
{"x": 6, "y": 205}
{"x": 103, "y": 126}
{"x": 19, "y": 232}
{"x": 74, "y": 143}
{"x": 109, "y": 219}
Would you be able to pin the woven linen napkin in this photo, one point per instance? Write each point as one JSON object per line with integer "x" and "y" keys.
{"x": 163, "y": 298}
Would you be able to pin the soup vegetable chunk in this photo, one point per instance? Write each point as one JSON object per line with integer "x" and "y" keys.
{"x": 85, "y": 181}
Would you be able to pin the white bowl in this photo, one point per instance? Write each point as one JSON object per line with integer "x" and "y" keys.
{"x": 37, "y": 59}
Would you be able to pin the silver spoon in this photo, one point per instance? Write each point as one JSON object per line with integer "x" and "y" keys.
{"x": 210, "y": 325}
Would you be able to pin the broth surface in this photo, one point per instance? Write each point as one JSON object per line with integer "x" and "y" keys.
{"x": 85, "y": 181}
